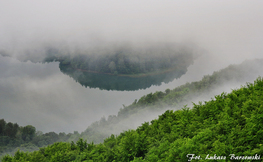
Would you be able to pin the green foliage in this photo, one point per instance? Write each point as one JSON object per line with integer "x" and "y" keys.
{"x": 82, "y": 145}
{"x": 228, "y": 124}
{"x": 28, "y": 132}
{"x": 13, "y": 137}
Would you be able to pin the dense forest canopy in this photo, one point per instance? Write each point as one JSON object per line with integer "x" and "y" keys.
{"x": 229, "y": 127}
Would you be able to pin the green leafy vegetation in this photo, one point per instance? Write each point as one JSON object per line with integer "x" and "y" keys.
{"x": 228, "y": 124}
{"x": 14, "y": 137}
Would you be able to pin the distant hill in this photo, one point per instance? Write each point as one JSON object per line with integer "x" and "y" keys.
{"x": 128, "y": 60}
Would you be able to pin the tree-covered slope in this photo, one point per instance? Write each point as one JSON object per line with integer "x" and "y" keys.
{"x": 230, "y": 125}
{"x": 155, "y": 103}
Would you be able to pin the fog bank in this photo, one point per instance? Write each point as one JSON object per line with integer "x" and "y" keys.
{"x": 229, "y": 30}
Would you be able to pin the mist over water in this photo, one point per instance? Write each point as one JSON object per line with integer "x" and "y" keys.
{"x": 40, "y": 95}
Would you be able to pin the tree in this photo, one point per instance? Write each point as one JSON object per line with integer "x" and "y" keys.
{"x": 2, "y": 126}
{"x": 9, "y": 130}
{"x": 28, "y": 132}
{"x": 82, "y": 145}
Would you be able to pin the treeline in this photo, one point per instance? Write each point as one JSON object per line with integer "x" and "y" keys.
{"x": 14, "y": 137}
{"x": 127, "y": 60}
{"x": 227, "y": 127}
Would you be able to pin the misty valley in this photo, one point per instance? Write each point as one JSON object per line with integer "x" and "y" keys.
{"x": 136, "y": 125}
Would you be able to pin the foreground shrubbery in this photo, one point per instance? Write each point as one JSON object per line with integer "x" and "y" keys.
{"x": 229, "y": 124}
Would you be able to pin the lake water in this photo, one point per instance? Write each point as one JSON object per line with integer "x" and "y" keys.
{"x": 41, "y": 95}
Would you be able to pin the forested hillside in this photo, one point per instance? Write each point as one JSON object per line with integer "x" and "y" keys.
{"x": 158, "y": 102}
{"x": 226, "y": 128}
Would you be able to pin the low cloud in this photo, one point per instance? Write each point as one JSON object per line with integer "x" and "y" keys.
{"x": 230, "y": 30}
